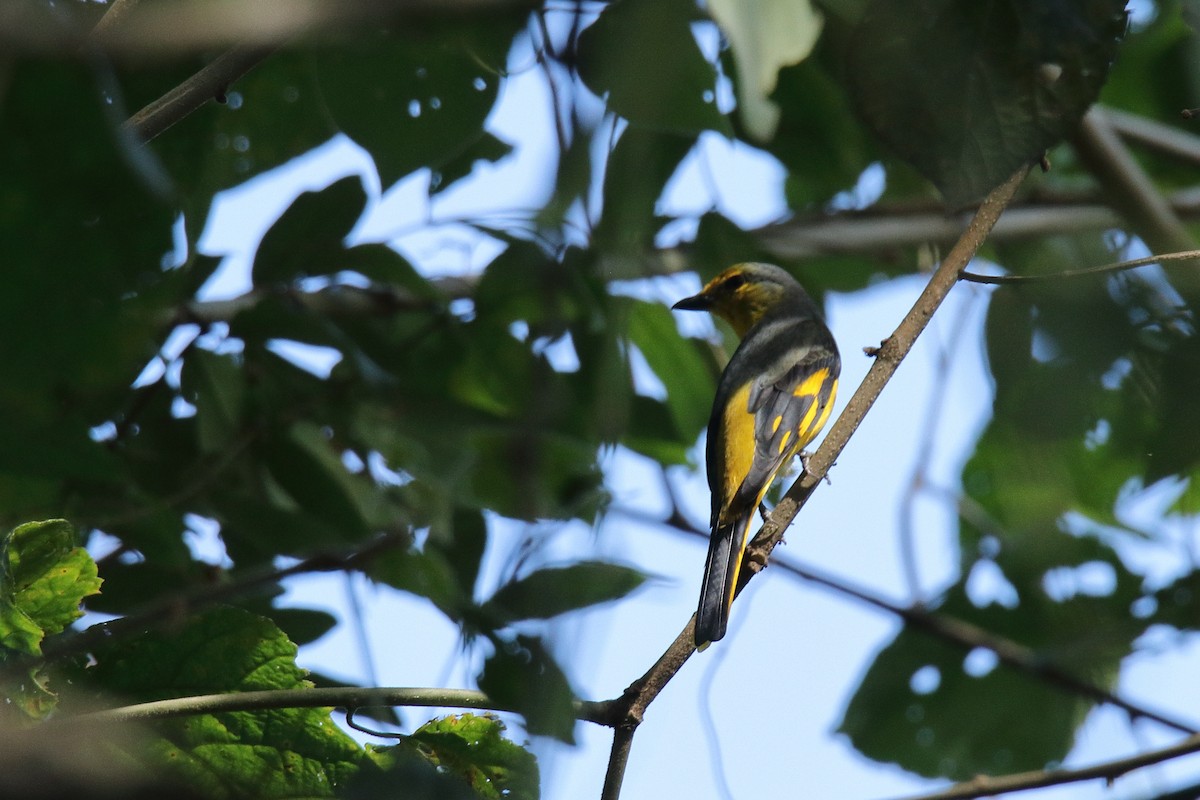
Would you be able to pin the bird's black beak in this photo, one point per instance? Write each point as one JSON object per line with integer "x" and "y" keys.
{"x": 697, "y": 302}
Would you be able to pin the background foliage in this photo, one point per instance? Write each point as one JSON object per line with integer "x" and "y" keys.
{"x": 130, "y": 405}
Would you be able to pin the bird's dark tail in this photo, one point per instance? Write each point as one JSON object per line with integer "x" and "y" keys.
{"x": 725, "y": 551}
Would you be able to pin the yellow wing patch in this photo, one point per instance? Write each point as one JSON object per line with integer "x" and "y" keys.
{"x": 738, "y": 445}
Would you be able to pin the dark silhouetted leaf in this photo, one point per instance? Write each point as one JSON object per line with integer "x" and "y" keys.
{"x": 644, "y": 57}
{"x": 967, "y": 91}
{"x": 556, "y": 590}
{"x": 523, "y": 676}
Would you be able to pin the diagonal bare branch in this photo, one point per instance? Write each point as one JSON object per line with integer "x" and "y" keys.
{"x": 631, "y": 706}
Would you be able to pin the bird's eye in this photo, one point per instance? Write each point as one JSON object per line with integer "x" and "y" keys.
{"x": 734, "y": 281}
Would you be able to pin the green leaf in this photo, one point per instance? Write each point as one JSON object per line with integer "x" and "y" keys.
{"x": 307, "y": 238}
{"x": 683, "y": 365}
{"x": 474, "y": 747}
{"x": 419, "y": 97}
{"x": 45, "y": 578}
{"x": 463, "y": 545}
{"x": 968, "y": 90}
{"x": 929, "y": 707}
{"x": 816, "y": 116}
{"x": 404, "y": 773}
{"x": 652, "y": 432}
{"x": 552, "y": 591}
{"x": 423, "y": 573}
{"x": 487, "y": 148}
{"x": 523, "y": 676}
{"x": 638, "y": 169}
{"x": 645, "y": 58}
{"x": 765, "y": 35}
{"x": 216, "y": 385}
{"x": 305, "y": 465}
{"x": 276, "y": 753}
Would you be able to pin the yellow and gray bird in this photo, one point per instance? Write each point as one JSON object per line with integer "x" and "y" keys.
{"x": 774, "y": 396}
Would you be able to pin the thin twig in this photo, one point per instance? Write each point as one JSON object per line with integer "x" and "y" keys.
{"x": 350, "y": 697}
{"x": 1119, "y": 266}
{"x": 985, "y": 786}
{"x": 1133, "y": 194}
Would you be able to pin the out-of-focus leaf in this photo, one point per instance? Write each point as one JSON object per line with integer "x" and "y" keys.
{"x": 679, "y": 363}
{"x": 486, "y": 148}
{"x": 301, "y": 625}
{"x": 645, "y": 58}
{"x": 276, "y": 753}
{"x": 424, "y": 573}
{"x": 419, "y": 97}
{"x": 305, "y": 465}
{"x": 216, "y": 386}
{"x": 86, "y": 238}
{"x": 474, "y": 747}
{"x": 307, "y": 238}
{"x": 765, "y": 35}
{"x": 968, "y": 91}
{"x": 652, "y": 432}
{"x": 931, "y": 708}
{"x": 552, "y": 591}
{"x": 463, "y": 545}
{"x": 1174, "y": 448}
{"x": 638, "y": 169}
{"x": 504, "y": 292}
{"x": 523, "y": 676}
{"x": 255, "y": 529}
{"x": 404, "y": 773}
{"x": 819, "y": 139}
{"x": 531, "y": 474}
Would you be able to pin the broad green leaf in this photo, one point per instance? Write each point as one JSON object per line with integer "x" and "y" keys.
{"x": 425, "y": 573}
{"x": 473, "y": 746}
{"x": 216, "y": 385}
{"x": 18, "y": 632}
{"x": 933, "y": 709}
{"x": 255, "y": 529}
{"x": 463, "y": 543}
{"x": 306, "y": 467}
{"x": 523, "y": 676}
{"x": 45, "y": 577}
{"x": 681, "y": 364}
{"x": 405, "y": 773}
{"x": 968, "y": 91}
{"x": 307, "y": 237}
{"x": 645, "y": 58}
{"x": 638, "y": 169}
{"x": 551, "y": 591}
{"x": 765, "y": 35}
{"x": 277, "y": 753}
{"x": 823, "y": 144}
{"x": 272, "y": 115}
{"x": 419, "y": 96}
